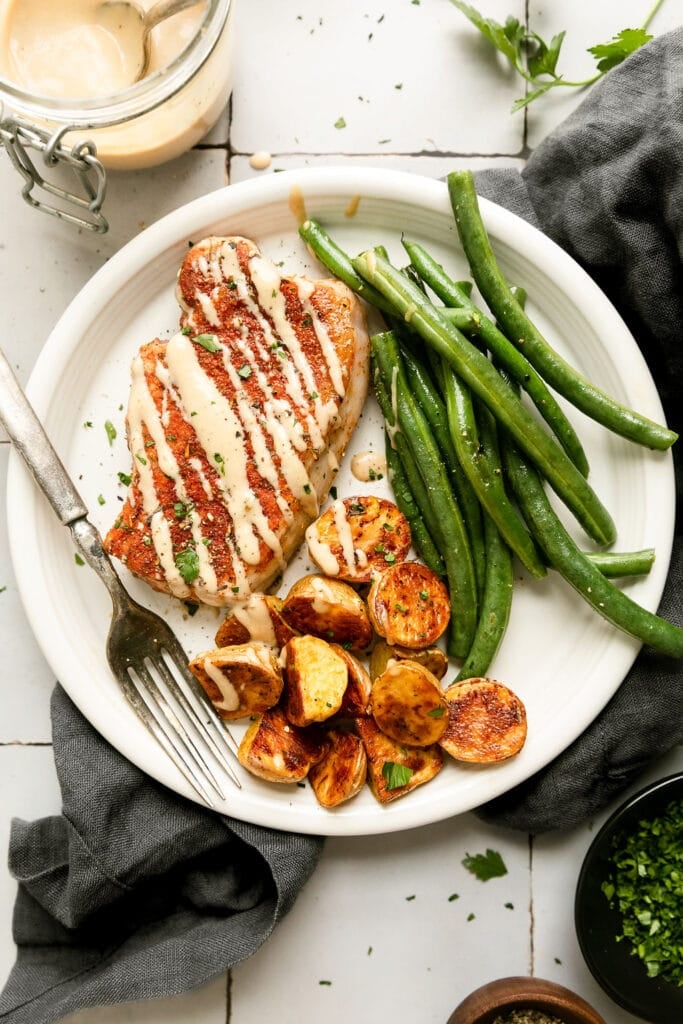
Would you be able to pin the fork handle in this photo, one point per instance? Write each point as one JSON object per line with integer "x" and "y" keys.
{"x": 32, "y": 443}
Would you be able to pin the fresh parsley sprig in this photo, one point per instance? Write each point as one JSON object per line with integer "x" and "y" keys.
{"x": 535, "y": 60}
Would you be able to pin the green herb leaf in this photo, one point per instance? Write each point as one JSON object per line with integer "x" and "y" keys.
{"x": 624, "y": 43}
{"x": 485, "y": 865}
{"x": 340, "y": 123}
{"x": 396, "y": 775}
{"x": 125, "y": 479}
{"x": 245, "y": 371}
{"x": 535, "y": 60}
{"x": 187, "y": 564}
{"x": 506, "y": 42}
{"x": 110, "y": 431}
{"x": 207, "y": 341}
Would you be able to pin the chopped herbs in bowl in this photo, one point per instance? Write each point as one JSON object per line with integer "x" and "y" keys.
{"x": 629, "y": 904}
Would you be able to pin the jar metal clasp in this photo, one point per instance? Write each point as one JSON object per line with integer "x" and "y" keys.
{"x": 82, "y": 207}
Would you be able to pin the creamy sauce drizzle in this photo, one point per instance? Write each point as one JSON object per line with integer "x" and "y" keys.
{"x": 222, "y": 425}
{"x": 367, "y": 466}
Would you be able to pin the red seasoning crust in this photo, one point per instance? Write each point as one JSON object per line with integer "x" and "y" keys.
{"x": 288, "y": 388}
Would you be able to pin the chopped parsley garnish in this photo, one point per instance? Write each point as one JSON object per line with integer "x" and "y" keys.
{"x": 645, "y": 885}
{"x": 78, "y": 560}
{"x": 186, "y": 330}
{"x": 485, "y": 865}
{"x": 424, "y": 594}
{"x": 125, "y": 479}
{"x": 396, "y": 775}
{"x": 181, "y": 510}
{"x": 436, "y": 713}
{"x": 141, "y": 458}
{"x": 88, "y": 423}
{"x": 245, "y": 371}
{"x": 356, "y": 509}
{"x": 187, "y": 564}
{"x": 218, "y": 458}
{"x": 453, "y": 896}
{"x": 340, "y": 123}
{"x": 207, "y": 341}
{"x": 101, "y": 500}
{"x": 110, "y": 430}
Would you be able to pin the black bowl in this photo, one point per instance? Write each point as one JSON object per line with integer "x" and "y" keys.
{"x": 620, "y": 973}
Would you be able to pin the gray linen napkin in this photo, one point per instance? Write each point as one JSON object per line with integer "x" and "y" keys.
{"x": 607, "y": 186}
{"x": 134, "y": 892}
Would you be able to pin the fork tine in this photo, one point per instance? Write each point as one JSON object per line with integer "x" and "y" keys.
{"x": 194, "y": 712}
{"x": 161, "y": 719}
{"x": 198, "y": 700}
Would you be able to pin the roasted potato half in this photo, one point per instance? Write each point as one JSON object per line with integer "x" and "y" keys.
{"x": 395, "y": 770}
{"x": 342, "y": 771}
{"x": 357, "y": 693}
{"x": 329, "y": 609}
{"x": 315, "y": 680}
{"x": 277, "y": 751}
{"x": 432, "y": 658}
{"x": 409, "y": 605}
{"x": 408, "y": 704}
{"x": 258, "y": 618}
{"x": 241, "y": 680}
{"x": 355, "y": 538}
{"x": 486, "y": 721}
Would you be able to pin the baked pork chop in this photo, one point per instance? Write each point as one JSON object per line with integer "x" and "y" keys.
{"x": 237, "y": 424}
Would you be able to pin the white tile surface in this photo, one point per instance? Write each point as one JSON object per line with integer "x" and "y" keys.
{"x": 301, "y": 67}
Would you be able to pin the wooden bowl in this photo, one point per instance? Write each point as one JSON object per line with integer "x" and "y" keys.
{"x": 506, "y": 994}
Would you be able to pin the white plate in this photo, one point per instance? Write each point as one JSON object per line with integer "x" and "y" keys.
{"x": 560, "y": 657}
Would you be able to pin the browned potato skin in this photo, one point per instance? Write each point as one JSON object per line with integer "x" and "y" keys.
{"x": 315, "y": 680}
{"x": 231, "y": 631}
{"x": 257, "y": 682}
{"x": 342, "y": 772}
{"x": 356, "y": 697}
{"x": 378, "y": 528}
{"x": 408, "y": 705}
{"x": 277, "y": 751}
{"x": 425, "y": 762}
{"x": 329, "y": 609}
{"x": 400, "y": 615}
{"x": 486, "y": 721}
{"x": 432, "y": 658}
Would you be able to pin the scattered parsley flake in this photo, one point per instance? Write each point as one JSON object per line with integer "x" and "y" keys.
{"x": 110, "y": 430}
{"x": 324, "y": 981}
{"x": 187, "y": 564}
{"x": 436, "y": 713}
{"x": 453, "y": 896}
{"x": 369, "y": 950}
{"x": 207, "y": 341}
{"x": 396, "y": 775}
{"x": 485, "y": 865}
{"x": 186, "y": 330}
{"x": 78, "y": 560}
{"x": 245, "y": 371}
{"x": 88, "y": 424}
{"x": 509, "y": 906}
{"x": 470, "y": 917}
{"x": 141, "y": 458}
{"x": 340, "y": 123}
{"x": 101, "y": 500}
{"x": 192, "y": 609}
{"x": 2, "y": 590}
{"x": 409, "y": 898}
{"x": 125, "y": 479}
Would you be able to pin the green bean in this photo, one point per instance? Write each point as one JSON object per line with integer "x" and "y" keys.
{"x": 504, "y": 351}
{"x": 475, "y": 370}
{"x": 480, "y": 463}
{"x": 495, "y": 605}
{"x": 522, "y": 331}
{"x": 397, "y": 440}
{"x": 615, "y": 564}
{"x": 452, "y": 536}
{"x": 338, "y": 263}
{"x": 430, "y": 402}
{"x": 566, "y": 558}
{"x": 405, "y": 500}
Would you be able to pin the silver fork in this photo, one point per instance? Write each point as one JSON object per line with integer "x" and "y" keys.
{"x": 143, "y": 652}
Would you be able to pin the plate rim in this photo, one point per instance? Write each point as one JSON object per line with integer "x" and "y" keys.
{"x": 219, "y": 205}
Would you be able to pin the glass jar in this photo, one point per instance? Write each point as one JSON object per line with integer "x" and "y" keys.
{"x": 142, "y": 125}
